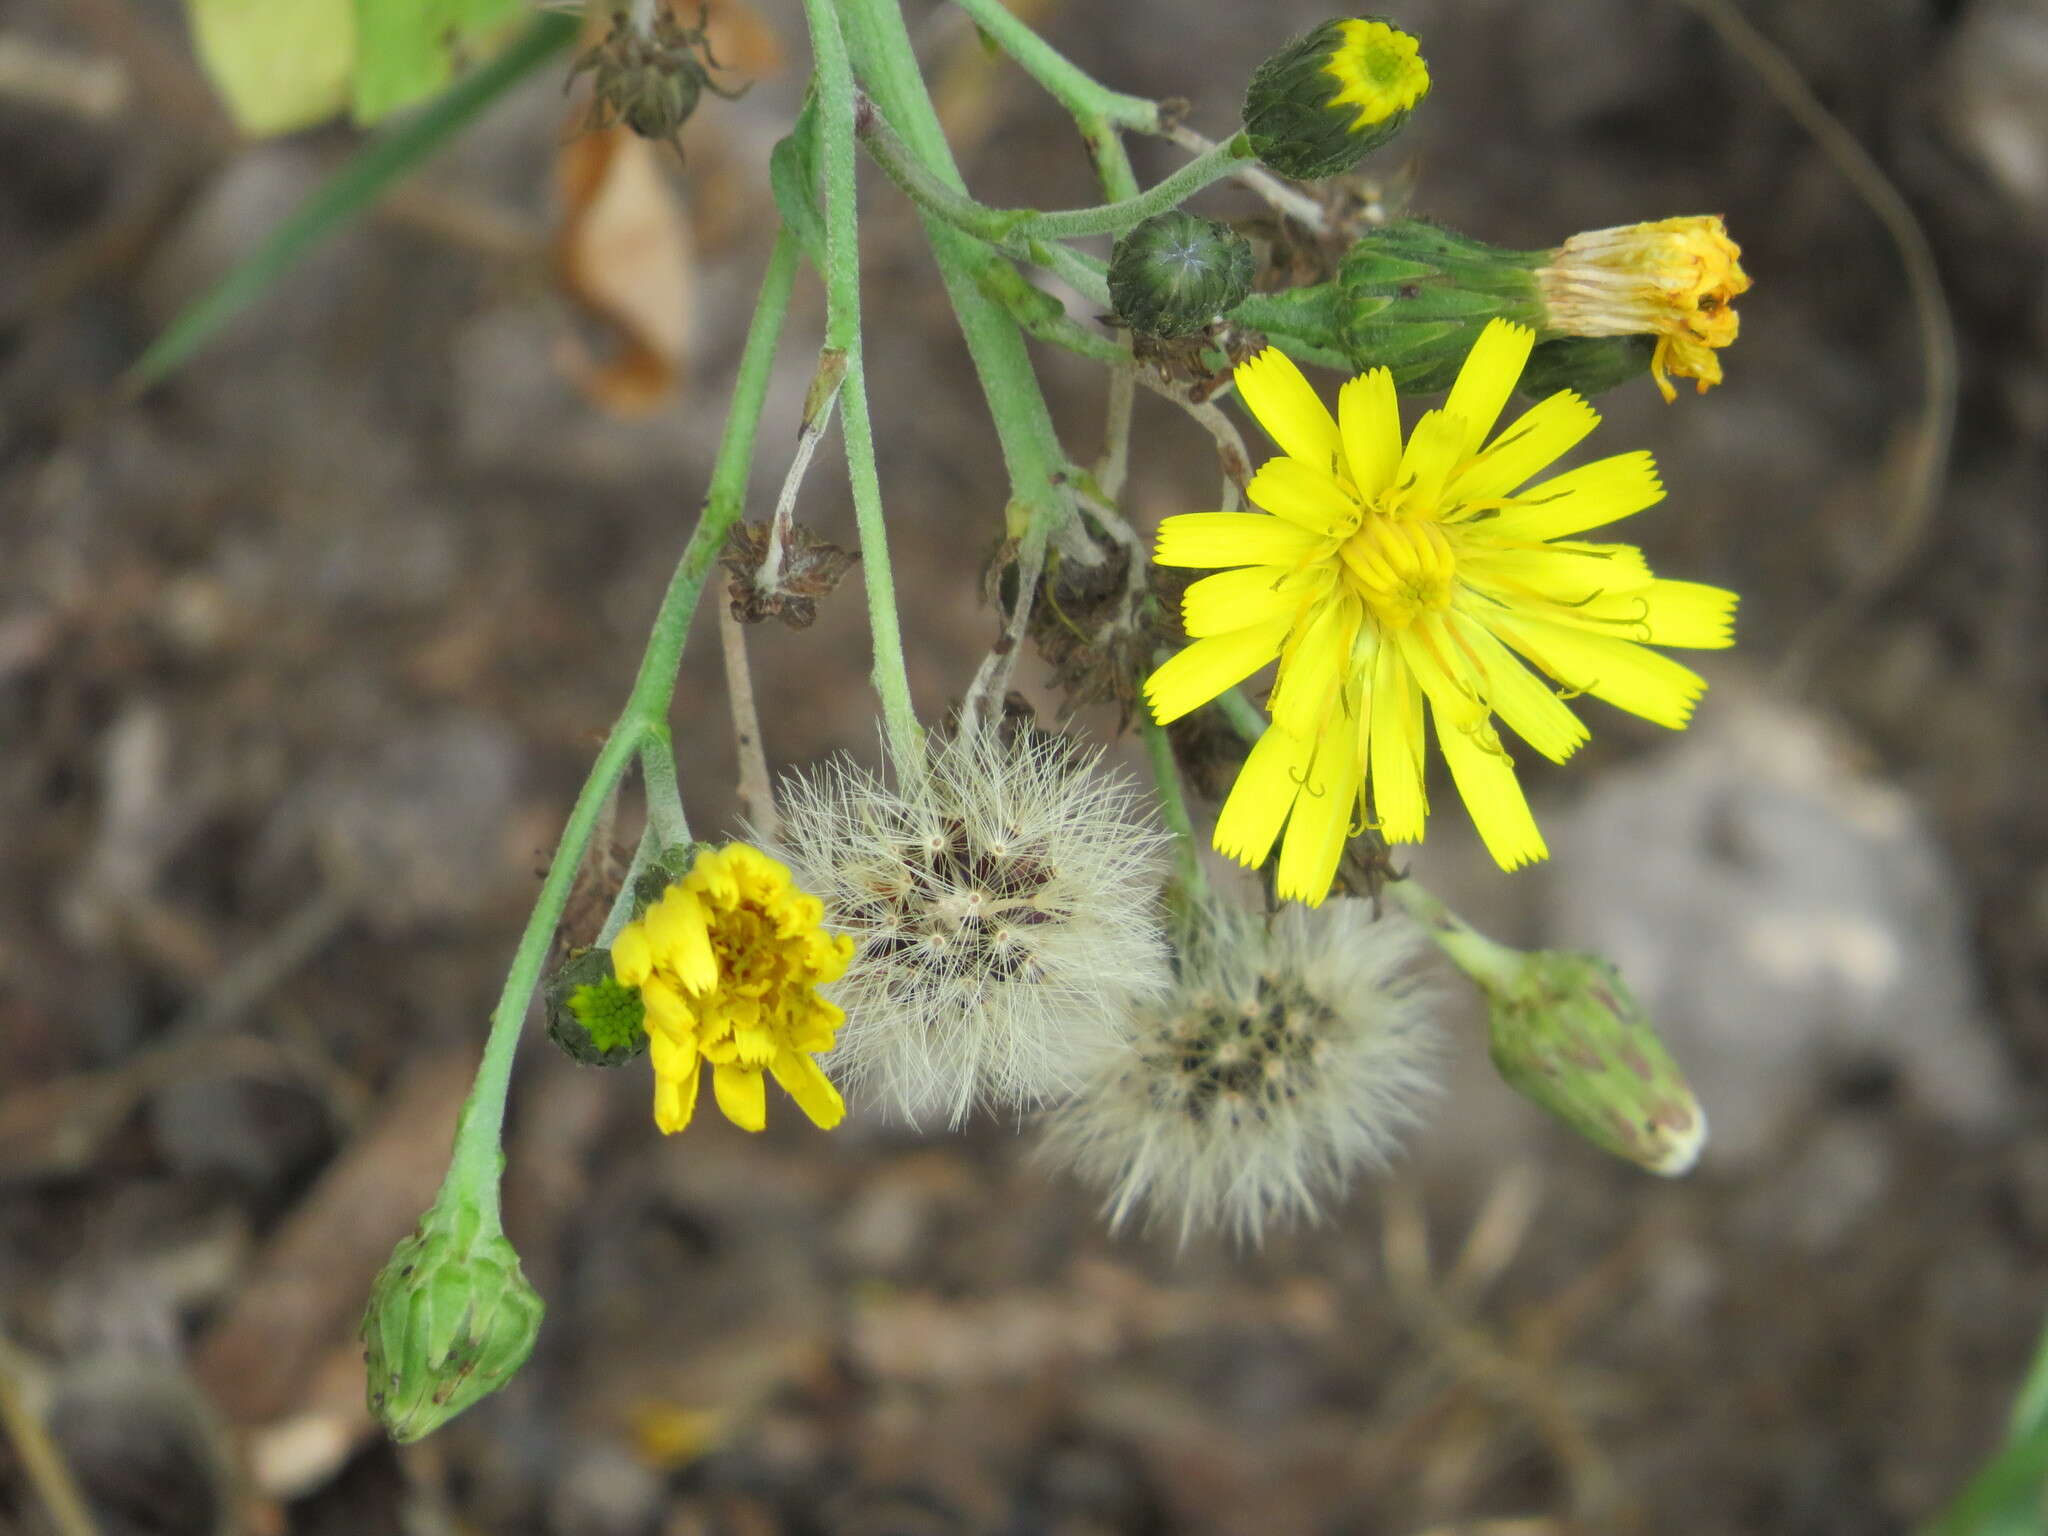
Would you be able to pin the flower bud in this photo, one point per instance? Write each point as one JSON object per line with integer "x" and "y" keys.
{"x": 1177, "y": 272}
{"x": 591, "y": 1016}
{"x": 1607, "y": 305}
{"x": 1321, "y": 104}
{"x": 451, "y": 1320}
{"x": 1565, "y": 1032}
{"x": 1571, "y": 1037}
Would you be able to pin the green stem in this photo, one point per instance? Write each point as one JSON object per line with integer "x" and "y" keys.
{"x": 1031, "y": 453}
{"x": 1115, "y": 218}
{"x": 1010, "y": 228}
{"x": 1080, "y": 94}
{"x": 836, "y": 123}
{"x": 1043, "y": 316}
{"x": 475, "y": 1167}
{"x": 1173, "y": 807}
{"x": 664, "y": 794}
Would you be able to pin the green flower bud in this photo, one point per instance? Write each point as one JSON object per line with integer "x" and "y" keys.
{"x": 1566, "y": 1034}
{"x": 1587, "y": 364}
{"x": 1570, "y": 1036}
{"x": 1330, "y": 97}
{"x": 451, "y": 1320}
{"x": 1177, "y": 272}
{"x": 590, "y": 1016}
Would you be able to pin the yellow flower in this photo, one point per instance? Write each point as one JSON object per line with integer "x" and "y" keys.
{"x": 1395, "y": 581}
{"x": 1378, "y": 69}
{"x": 728, "y": 964}
{"x": 1676, "y": 279}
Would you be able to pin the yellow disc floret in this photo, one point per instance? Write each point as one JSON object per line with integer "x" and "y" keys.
{"x": 728, "y": 963}
{"x": 1676, "y": 279}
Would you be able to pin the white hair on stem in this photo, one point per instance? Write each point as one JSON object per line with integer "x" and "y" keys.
{"x": 1291, "y": 1055}
{"x": 1003, "y": 899}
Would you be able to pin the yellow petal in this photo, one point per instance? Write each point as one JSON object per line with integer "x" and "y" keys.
{"x": 1288, "y": 407}
{"x": 1197, "y": 674}
{"x": 675, "y": 1098}
{"x": 1321, "y": 823}
{"x": 1590, "y": 496}
{"x": 1313, "y": 668}
{"x": 1262, "y": 796}
{"x": 1435, "y": 448}
{"x": 1488, "y": 377}
{"x": 1369, "y": 416}
{"x": 742, "y": 1095}
{"x": 805, "y": 1081}
{"x": 1690, "y": 614}
{"x": 676, "y": 929}
{"x": 1233, "y": 538}
{"x": 1518, "y": 696}
{"x": 632, "y": 956}
{"x": 1304, "y": 496}
{"x": 1624, "y": 674}
{"x": 1399, "y": 799}
{"x": 1487, "y": 784}
{"x": 1255, "y": 594}
{"x": 666, "y": 1008}
{"x": 1540, "y": 436}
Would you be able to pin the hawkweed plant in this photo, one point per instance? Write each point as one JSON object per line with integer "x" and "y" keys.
{"x": 983, "y": 924}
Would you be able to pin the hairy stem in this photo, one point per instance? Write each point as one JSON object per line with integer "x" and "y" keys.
{"x": 836, "y": 121}
{"x": 477, "y": 1161}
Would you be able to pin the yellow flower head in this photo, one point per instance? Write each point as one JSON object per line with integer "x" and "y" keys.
{"x": 1393, "y": 581}
{"x": 728, "y": 964}
{"x": 1378, "y": 70}
{"x": 1676, "y": 279}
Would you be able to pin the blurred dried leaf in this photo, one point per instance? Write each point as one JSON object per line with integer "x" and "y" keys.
{"x": 623, "y": 256}
{"x": 261, "y": 1360}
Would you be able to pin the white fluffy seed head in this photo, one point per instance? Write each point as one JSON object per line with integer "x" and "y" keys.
{"x": 1003, "y": 899}
{"x": 1289, "y": 1056}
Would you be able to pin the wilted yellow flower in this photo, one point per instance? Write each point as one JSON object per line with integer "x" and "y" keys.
{"x": 728, "y": 963}
{"x": 1676, "y": 279}
{"x": 1390, "y": 581}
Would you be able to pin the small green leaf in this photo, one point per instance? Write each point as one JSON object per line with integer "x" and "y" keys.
{"x": 793, "y": 178}
{"x": 408, "y": 49}
{"x": 360, "y": 182}
{"x": 278, "y": 64}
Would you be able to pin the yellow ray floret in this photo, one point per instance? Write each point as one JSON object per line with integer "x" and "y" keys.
{"x": 727, "y": 964}
{"x": 1399, "y": 583}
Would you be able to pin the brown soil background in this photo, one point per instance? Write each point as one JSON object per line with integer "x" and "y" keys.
{"x": 303, "y": 656}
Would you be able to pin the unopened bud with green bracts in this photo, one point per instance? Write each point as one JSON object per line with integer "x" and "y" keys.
{"x": 1332, "y": 96}
{"x": 1565, "y": 1032}
{"x": 1177, "y": 272}
{"x": 451, "y": 1320}
{"x": 591, "y": 1016}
